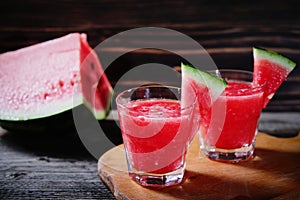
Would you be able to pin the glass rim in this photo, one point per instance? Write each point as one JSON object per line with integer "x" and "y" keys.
{"x": 232, "y": 70}
{"x": 130, "y": 90}
{"x": 257, "y": 88}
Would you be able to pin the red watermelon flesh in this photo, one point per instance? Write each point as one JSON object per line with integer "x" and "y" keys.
{"x": 96, "y": 88}
{"x": 270, "y": 70}
{"x": 43, "y": 79}
{"x": 206, "y": 87}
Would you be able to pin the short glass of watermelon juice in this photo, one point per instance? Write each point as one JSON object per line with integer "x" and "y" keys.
{"x": 156, "y": 132}
{"x": 228, "y": 127}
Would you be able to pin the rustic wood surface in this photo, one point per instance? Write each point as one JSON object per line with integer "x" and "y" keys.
{"x": 56, "y": 165}
{"x": 227, "y": 30}
{"x": 48, "y": 166}
{"x": 273, "y": 172}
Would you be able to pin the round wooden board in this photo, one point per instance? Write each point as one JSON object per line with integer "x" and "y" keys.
{"x": 274, "y": 172}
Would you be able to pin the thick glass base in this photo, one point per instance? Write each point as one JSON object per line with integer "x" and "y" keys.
{"x": 229, "y": 155}
{"x": 158, "y": 180}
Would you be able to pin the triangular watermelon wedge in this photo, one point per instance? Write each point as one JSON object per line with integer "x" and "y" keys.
{"x": 206, "y": 87}
{"x": 270, "y": 70}
{"x": 49, "y": 78}
{"x": 196, "y": 81}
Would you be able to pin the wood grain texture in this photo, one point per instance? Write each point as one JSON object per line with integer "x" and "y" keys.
{"x": 227, "y": 30}
{"x": 274, "y": 171}
{"x": 48, "y": 166}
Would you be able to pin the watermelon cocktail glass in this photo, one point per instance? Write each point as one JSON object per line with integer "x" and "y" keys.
{"x": 228, "y": 127}
{"x": 156, "y": 133}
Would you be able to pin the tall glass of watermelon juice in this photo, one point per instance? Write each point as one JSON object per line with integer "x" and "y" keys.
{"x": 156, "y": 133}
{"x": 228, "y": 127}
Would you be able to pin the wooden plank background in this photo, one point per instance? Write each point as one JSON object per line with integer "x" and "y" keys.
{"x": 227, "y": 30}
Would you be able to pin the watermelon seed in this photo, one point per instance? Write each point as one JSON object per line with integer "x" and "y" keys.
{"x": 46, "y": 95}
{"x": 75, "y": 74}
{"x": 60, "y": 83}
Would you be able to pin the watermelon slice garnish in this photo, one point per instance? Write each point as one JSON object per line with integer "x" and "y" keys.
{"x": 198, "y": 82}
{"x": 205, "y": 86}
{"x": 270, "y": 70}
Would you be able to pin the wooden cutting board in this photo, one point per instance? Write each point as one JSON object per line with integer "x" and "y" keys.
{"x": 274, "y": 172}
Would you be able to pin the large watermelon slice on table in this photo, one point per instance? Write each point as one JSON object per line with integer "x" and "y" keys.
{"x": 48, "y": 78}
{"x": 270, "y": 70}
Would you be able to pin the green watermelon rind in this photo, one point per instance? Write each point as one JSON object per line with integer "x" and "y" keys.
{"x": 263, "y": 54}
{"x": 100, "y": 114}
{"x": 215, "y": 84}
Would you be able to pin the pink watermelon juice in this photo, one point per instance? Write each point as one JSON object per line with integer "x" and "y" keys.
{"x": 229, "y": 125}
{"x": 156, "y": 133}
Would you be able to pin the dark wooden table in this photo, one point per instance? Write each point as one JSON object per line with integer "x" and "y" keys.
{"x": 56, "y": 165}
